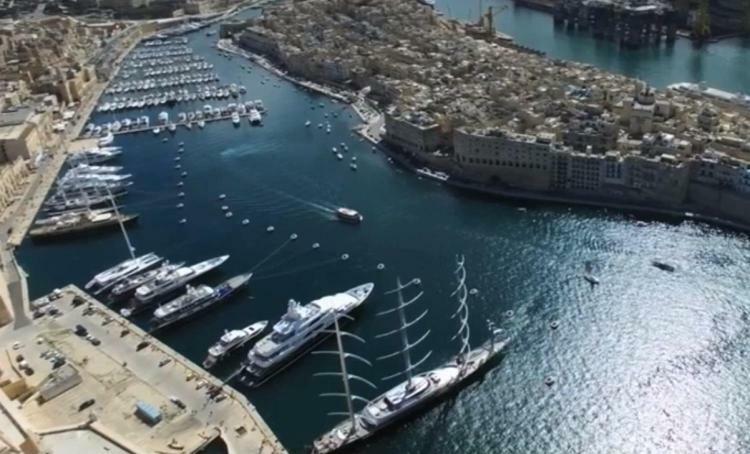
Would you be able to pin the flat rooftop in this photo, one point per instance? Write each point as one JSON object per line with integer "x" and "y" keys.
{"x": 116, "y": 374}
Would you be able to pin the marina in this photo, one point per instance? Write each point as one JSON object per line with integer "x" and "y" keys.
{"x": 283, "y": 181}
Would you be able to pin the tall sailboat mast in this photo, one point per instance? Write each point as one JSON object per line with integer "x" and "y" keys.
{"x": 344, "y": 372}
{"x": 462, "y": 312}
{"x": 131, "y": 249}
{"x": 404, "y": 324}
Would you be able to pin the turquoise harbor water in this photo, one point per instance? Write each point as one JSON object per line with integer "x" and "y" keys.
{"x": 648, "y": 361}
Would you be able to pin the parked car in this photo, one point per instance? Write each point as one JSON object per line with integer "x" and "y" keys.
{"x": 176, "y": 400}
{"x": 86, "y": 404}
{"x": 81, "y": 331}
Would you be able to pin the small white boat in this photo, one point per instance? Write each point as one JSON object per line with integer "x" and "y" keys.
{"x": 307, "y": 124}
{"x": 232, "y": 340}
{"x": 349, "y": 215}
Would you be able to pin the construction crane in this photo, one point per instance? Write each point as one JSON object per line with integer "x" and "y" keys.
{"x": 487, "y": 20}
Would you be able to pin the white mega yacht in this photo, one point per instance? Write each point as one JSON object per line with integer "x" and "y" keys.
{"x": 298, "y": 331}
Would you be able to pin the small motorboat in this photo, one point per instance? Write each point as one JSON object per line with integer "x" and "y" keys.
{"x": 349, "y": 215}
{"x": 663, "y": 266}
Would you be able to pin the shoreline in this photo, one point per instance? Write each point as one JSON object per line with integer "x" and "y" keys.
{"x": 458, "y": 182}
{"x": 507, "y": 195}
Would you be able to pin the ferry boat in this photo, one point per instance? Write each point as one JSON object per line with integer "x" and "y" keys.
{"x": 84, "y": 222}
{"x": 122, "y": 270}
{"x": 196, "y": 299}
{"x": 349, "y": 215}
{"x": 433, "y": 174}
{"x": 129, "y": 284}
{"x": 299, "y": 330}
{"x": 232, "y": 340}
{"x": 169, "y": 282}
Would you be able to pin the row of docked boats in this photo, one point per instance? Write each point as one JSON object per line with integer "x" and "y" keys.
{"x": 304, "y": 326}
{"x": 146, "y": 54}
{"x": 111, "y": 127}
{"x": 149, "y": 279}
{"x": 155, "y": 83}
{"x": 187, "y": 27}
{"x": 196, "y": 66}
{"x": 72, "y": 207}
{"x": 163, "y": 61}
{"x": 172, "y": 97}
{"x": 157, "y": 42}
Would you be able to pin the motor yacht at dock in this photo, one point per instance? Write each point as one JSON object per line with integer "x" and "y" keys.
{"x": 126, "y": 286}
{"x": 167, "y": 283}
{"x": 233, "y": 340}
{"x": 122, "y": 270}
{"x": 195, "y": 300}
{"x": 300, "y": 329}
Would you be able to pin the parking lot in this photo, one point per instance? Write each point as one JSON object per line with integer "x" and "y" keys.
{"x": 121, "y": 365}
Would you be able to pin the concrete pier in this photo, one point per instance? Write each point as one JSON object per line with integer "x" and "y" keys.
{"x": 125, "y": 365}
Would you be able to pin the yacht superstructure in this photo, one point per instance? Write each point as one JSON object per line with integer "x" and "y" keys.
{"x": 195, "y": 300}
{"x": 299, "y": 330}
{"x": 232, "y": 340}
{"x": 122, "y": 270}
{"x": 129, "y": 284}
{"x": 169, "y": 282}
{"x": 417, "y": 391}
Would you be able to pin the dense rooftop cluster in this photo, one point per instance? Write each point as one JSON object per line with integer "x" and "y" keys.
{"x": 420, "y": 62}
{"x": 34, "y": 51}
